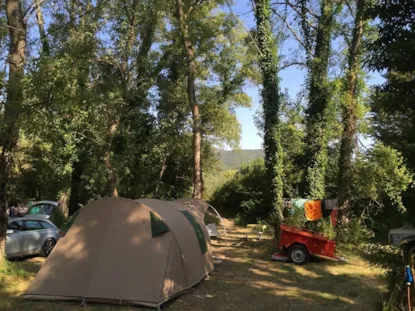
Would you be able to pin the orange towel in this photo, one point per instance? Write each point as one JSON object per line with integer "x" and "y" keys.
{"x": 313, "y": 210}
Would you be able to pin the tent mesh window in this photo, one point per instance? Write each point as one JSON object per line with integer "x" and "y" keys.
{"x": 157, "y": 226}
{"x": 198, "y": 230}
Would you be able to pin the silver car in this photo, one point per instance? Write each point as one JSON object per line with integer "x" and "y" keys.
{"x": 31, "y": 235}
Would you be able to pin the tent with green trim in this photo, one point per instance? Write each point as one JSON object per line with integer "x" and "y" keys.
{"x": 122, "y": 251}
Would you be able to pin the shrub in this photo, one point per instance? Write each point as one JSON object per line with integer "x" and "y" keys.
{"x": 352, "y": 233}
{"x": 58, "y": 218}
{"x": 246, "y": 195}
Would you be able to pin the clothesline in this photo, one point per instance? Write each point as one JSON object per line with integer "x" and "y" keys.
{"x": 315, "y": 209}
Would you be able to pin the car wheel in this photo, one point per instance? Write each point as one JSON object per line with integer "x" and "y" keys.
{"x": 48, "y": 247}
{"x": 298, "y": 254}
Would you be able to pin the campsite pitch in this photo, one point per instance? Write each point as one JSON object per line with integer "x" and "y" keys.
{"x": 246, "y": 280}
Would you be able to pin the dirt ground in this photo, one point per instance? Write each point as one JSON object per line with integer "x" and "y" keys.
{"x": 246, "y": 280}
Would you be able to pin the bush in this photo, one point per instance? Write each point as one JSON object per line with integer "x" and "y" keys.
{"x": 352, "y": 233}
{"x": 246, "y": 196}
{"x": 211, "y": 219}
{"x": 240, "y": 221}
{"x": 58, "y": 218}
{"x": 297, "y": 219}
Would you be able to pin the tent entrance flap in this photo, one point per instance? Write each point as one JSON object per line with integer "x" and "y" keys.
{"x": 198, "y": 230}
{"x": 157, "y": 225}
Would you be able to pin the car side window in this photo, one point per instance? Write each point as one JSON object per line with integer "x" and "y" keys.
{"x": 15, "y": 226}
{"x": 32, "y": 225}
{"x": 46, "y": 225}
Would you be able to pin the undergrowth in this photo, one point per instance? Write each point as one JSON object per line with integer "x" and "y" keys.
{"x": 8, "y": 268}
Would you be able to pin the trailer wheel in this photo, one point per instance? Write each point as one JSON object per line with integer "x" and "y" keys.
{"x": 298, "y": 254}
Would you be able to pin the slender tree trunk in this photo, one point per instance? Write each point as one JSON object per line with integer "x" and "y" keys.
{"x": 112, "y": 175}
{"x": 41, "y": 26}
{"x": 350, "y": 107}
{"x": 76, "y": 187}
{"x": 316, "y": 136}
{"x": 9, "y": 133}
{"x": 64, "y": 203}
{"x": 163, "y": 169}
{"x": 3, "y": 206}
{"x": 271, "y": 105}
{"x": 194, "y": 106}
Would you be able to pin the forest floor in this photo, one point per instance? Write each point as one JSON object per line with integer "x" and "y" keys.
{"x": 246, "y": 280}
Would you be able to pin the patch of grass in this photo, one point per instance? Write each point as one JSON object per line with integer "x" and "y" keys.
{"x": 8, "y": 268}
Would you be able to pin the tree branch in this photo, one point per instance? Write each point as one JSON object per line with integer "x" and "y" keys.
{"x": 11, "y": 27}
{"x": 296, "y": 7}
{"x": 299, "y": 13}
{"x": 350, "y": 8}
{"x": 126, "y": 10}
{"x": 243, "y": 25}
{"x": 358, "y": 139}
{"x": 293, "y": 32}
{"x": 294, "y": 63}
{"x": 32, "y": 8}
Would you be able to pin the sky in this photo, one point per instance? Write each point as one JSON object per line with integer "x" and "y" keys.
{"x": 291, "y": 78}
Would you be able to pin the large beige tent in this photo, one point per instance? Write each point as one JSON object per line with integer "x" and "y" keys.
{"x": 128, "y": 252}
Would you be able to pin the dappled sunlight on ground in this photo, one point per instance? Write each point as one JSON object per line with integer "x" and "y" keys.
{"x": 246, "y": 280}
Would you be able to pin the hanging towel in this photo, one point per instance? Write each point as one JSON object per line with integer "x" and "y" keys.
{"x": 298, "y": 203}
{"x": 313, "y": 210}
{"x": 331, "y": 204}
{"x": 333, "y": 217}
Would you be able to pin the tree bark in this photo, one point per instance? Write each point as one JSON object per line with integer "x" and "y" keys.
{"x": 76, "y": 187}
{"x": 163, "y": 169}
{"x": 316, "y": 136}
{"x": 271, "y": 105}
{"x": 112, "y": 175}
{"x": 9, "y": 133}
{"x": 63, "y": 203}
{"x": 3, "y": 205}
{"x": 41, "y": 26}
{"x": 350, "y": 107}
{"x": 2, "y": 249}
{"x": 194, "y": 106}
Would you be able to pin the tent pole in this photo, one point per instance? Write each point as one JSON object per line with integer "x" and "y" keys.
{"x": 224, "y": 229}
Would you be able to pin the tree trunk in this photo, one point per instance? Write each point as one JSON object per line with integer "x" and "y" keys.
{"x": 64, "y": 203}
{"x": 9, "y": 133}
{"x": 112, "y": 175}
{"x": 163, "y": 169}
{"x": 350, "y": 107}
{"x": 191, "y": 94}
{"x": 41, "y": 26}
{"x": 3, "y": 206}
{"x": 316, "y": 136}
{"x": 271, "y": 105}
{"x": 76, "y": 186}
{"x": 2, "y": 250}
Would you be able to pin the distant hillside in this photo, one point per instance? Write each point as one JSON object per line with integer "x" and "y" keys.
{"x": 233, "y": 159}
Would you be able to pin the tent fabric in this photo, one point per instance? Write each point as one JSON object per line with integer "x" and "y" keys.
{"x": 110, "y": 254}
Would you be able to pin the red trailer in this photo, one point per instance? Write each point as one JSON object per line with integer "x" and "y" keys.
{"x": 299, "y": 244}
